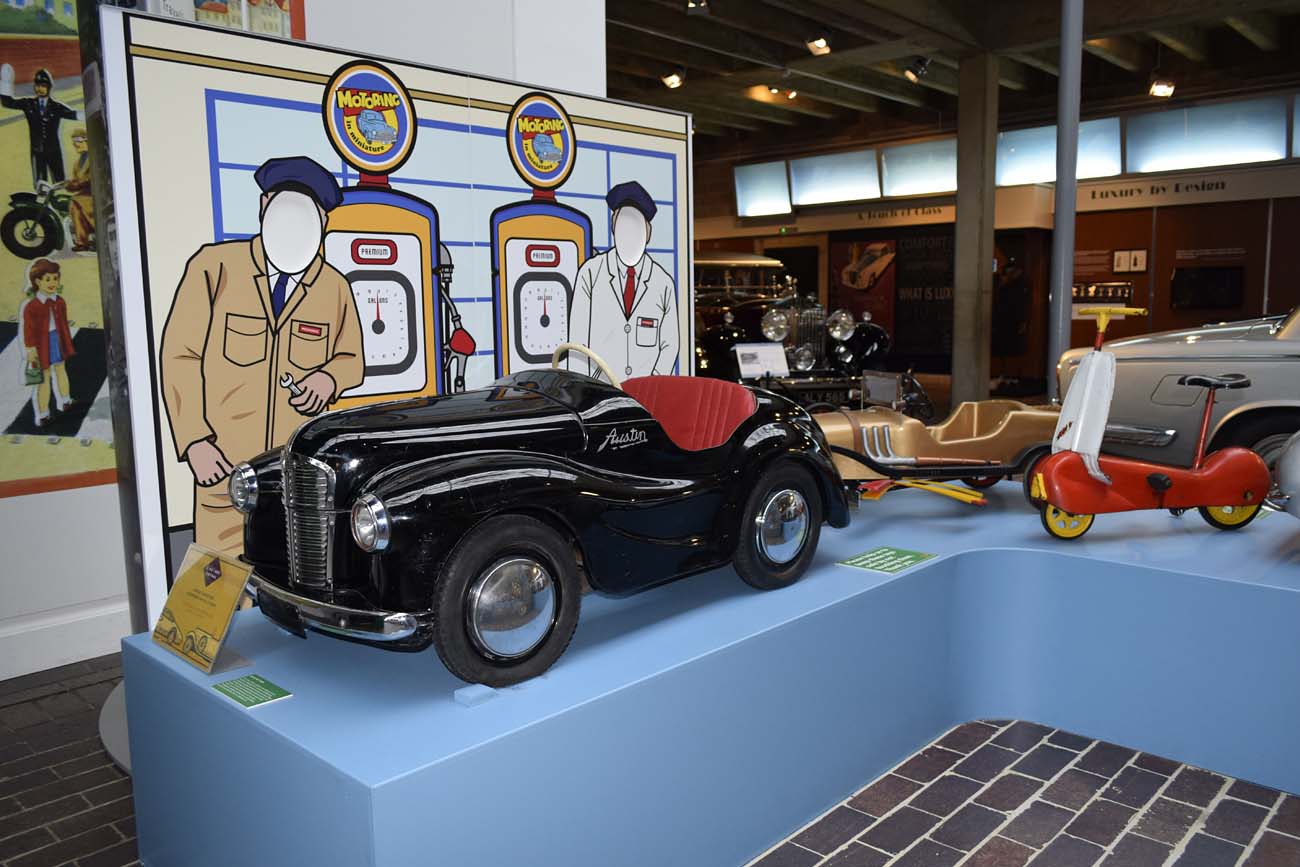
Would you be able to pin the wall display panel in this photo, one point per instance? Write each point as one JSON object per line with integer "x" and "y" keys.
{"x": 844, "y": 177}
{"x": 1284, "y": 264}
{"x": 54, "y": 396}
{"x": 475, "y": 221}
{"x": 1219, "y": 134}
{"x": 1028, "y": 156}
{"x": 920, "y": 168}
{"x": 762, "y": 189}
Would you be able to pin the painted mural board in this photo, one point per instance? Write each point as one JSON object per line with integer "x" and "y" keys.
{"x": 424, "y": 158}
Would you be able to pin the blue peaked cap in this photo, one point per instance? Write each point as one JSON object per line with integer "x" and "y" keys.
{"x": 302, "y": 173}
{"x": 631, "y": 193}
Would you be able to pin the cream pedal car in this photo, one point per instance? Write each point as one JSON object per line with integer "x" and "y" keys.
{"x": 979, "y": 443}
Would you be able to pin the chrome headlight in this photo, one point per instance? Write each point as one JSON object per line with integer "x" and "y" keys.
{"x": 866, "y": 315}
{"x": 840, "y": 324}
{"x": 370, "y": 525}
{"x": 843, "y": 353}
{"x": 243, "y": 488}
{"x": 804, "y": 359}
{"x": 776, "y": 325}
{"x": 728, "y": 318}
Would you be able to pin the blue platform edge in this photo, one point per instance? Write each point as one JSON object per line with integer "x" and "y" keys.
{"x": 702, "y": 721}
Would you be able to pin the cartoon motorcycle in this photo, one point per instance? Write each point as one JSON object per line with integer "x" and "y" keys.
{"x": 37, "y": 223}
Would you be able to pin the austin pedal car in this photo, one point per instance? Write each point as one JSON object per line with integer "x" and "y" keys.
{"x": 473, "y": 521}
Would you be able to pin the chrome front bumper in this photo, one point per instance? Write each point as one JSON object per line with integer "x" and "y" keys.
{"x": 358, "y": 623}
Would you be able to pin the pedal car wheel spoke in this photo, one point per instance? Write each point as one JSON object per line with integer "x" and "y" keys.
{"x": 1229, "y": 517}
{"x": 1063, "y": 524}
{"x": 511, "y": 607}
{"x": 781, "y": 528}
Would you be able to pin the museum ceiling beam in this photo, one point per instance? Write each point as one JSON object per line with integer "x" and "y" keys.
{"x": 1260, "y": 28}
{"x": 623, "y": 86}
{"x": 1014, "y": 25}
{"x": 1011, "y": 74}
{"x": 1188, "y": 41}
{"x": 1122, "y": 51}
{"x": 840, "y": 69}
{"x": 757, "y": 102}
{"x": 940, "y": 78}
{"x": 668, "y": 52}
{"x": 1042, "y": 59}
{"x": 704, "y": 127}
{"x": 949, "y": 22}
{"x": 789, "y": 26}
{"x": 824, "y": 12}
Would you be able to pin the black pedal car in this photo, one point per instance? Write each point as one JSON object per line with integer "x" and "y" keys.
{"x": 470, "y": 521}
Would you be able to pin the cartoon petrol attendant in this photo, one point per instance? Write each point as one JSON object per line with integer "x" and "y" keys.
{"x": 624, "y": 302}
{"x": 246, "y": 313}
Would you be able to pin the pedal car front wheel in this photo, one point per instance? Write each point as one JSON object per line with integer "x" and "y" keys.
{"x": 1064, "y": 525}
{"x": 1229, "y": 517}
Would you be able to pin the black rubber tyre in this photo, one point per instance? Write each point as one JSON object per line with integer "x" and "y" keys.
{"x": 1027, "y": 479}
{"x": 981, "y": 483}
{"x": 11, "y": 231}
{"x": 484, "y": 546}
{"x": 1265, "y": 434}
{"x": 1237, "y": 524}
{"x": 753, "y": 566}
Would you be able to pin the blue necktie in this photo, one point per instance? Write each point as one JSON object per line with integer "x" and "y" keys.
{"x": 277, "y": 294}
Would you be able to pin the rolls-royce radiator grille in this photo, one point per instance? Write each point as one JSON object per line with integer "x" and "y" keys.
{"x": 309, "y": 518}
{"x": 810, "y": 329}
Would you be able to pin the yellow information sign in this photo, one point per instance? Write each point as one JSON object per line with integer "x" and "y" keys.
{"x": 200, "y": 606}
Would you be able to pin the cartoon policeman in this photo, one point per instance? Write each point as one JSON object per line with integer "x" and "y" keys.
{"x": 245, "y": 313}
{"x": 624, "y": 302}
{"x": 43, "y": 113}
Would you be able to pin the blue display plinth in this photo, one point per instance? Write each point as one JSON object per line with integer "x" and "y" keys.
{"x": 702, "y": 721}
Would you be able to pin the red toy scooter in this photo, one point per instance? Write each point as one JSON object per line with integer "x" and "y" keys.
{"x": 1227, "y": 486}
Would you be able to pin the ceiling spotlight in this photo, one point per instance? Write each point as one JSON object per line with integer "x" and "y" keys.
{"x": 819, "y": 46}
{"x": 771, "y": 89}
{"x": 1161, "y": 86}
{"x": 673, "y": 80}
{"x": 791, "y": 94}
{"x": 697, "y": 7}
{"x": 917, "y": 70}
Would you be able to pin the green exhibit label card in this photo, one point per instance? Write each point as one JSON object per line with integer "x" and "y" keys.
{"x": 888, "y": 560}
{"x": 251, "y": 690}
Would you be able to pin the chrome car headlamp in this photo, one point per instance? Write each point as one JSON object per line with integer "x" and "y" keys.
{"x": 370, "y": 525}
{"x": 804, "y": 359}
{"x": 775, "y": 325}
{"x": 841, "y": 324}
{"x": 243, "y": 488}
{"x": 843, "y": 353}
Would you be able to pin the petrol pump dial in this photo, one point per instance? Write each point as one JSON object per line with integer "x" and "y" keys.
{"x": 386, "y": 310}
{"x": 543, "y": 314}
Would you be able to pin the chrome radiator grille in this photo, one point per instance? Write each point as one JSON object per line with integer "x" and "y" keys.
{"x": 309, "y": 519}
{"x": 810, "y": 328}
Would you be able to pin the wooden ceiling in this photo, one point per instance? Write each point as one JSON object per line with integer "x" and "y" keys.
{"x": 733, "y": 55}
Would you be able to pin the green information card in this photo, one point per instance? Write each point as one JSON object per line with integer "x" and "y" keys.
{"x": 251, "y": 690}
{"x": 888, "y": 560}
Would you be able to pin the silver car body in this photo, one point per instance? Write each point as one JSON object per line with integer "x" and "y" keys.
{"x": 1154, "y": 418}
{"x": 1287, "y": 476}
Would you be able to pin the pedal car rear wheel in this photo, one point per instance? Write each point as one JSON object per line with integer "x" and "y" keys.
{"x": 981, "y": 483}
{"x": 1063, "y": 524}
{"x": 1031, "y": 467}
{"x": 780, "y": 527}
{"x": 507, "y": 601}
{"x": 1229, "y": 517}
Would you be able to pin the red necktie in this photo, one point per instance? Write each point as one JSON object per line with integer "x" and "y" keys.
{"x": 629, "y": 292}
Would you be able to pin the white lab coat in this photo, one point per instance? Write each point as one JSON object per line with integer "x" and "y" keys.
{"x": 642, "y": 344}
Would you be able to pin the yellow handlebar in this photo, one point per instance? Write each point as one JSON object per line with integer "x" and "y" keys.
{"x": 1103, "y": 314}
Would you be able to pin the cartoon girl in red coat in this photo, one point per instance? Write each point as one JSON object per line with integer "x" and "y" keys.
{"x": 47, "y": 338}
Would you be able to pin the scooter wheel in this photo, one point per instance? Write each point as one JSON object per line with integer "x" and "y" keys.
{"x": 1229, "y": 517}
{"x": 1062, "y": 524}
{"x": 981, "y": 483}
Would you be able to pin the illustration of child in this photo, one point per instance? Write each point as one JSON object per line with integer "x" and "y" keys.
{"x": 47, "y": 338}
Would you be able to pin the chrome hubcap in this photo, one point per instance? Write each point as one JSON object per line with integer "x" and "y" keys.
{"x": 511, "y": 607}
{"x": 781, "y": 527}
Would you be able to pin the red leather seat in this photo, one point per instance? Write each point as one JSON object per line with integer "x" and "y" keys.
{"x": 696, "y": 413}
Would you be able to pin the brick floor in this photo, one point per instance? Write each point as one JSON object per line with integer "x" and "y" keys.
{"x": 1007, "y": 793}
{"x": 62, "y": 801}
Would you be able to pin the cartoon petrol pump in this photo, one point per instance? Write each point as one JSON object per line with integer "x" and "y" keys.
{"x": 537, "y": 245}
{"x": 386, "y": 244}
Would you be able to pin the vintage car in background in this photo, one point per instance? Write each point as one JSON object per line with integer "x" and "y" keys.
{"x": 474, "y": 521}
{"x": 1154, "y": 418}
{"x": 864, "y": 271}
{"x": 748, "y": 298}
{"x": 1286, "y": 474}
